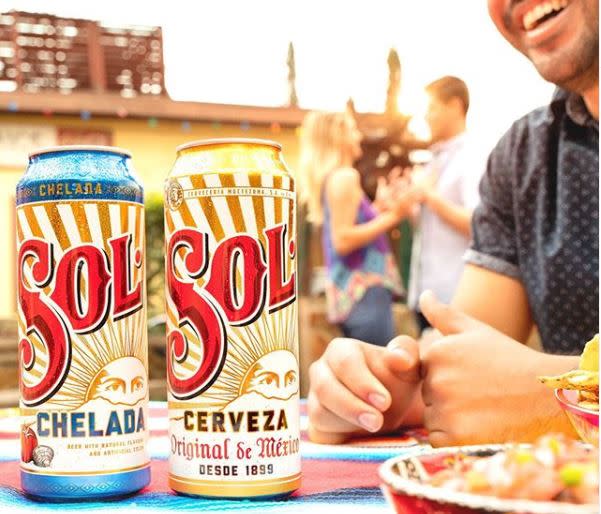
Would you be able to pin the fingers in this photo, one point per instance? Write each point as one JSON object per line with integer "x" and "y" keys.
{"x": 346, "y": 396}
{"x": 346, "y": 359}
{"x": 443, "y": 317}
{"x": 332, "y": 399}
{"x": 325, "y": 421}
{"x": 403, "y": 356}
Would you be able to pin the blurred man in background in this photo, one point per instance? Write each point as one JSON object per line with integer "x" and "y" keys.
{"x": 449, "y": 194}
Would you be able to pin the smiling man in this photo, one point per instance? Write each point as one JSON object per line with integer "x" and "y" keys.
{"x": 533, "y": 260}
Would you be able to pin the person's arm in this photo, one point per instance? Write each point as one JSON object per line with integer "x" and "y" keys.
{"x": 495, "y": 299}
{"x": 343, "y": 194}
{"x": 454, "y": 215}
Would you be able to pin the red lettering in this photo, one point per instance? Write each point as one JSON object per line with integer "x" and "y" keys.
{"x": 86, "y": 312}
{"x": 67, "y": 305}
{"x": 235, "y": 291}
{"x": 223, "y": 284}
{"x": 126, "y": 299}
{"x": 41, "y": 321}
{"x": 197, "y": 312}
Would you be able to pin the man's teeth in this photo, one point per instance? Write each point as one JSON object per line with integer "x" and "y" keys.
{"x": 534, "y": 15}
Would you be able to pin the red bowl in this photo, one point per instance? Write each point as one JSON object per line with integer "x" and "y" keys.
{"x": 585, "y": 421}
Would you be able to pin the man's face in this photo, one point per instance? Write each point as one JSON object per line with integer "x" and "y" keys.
{"x": 560, "y": 37}
{"x": 439, "y": 117}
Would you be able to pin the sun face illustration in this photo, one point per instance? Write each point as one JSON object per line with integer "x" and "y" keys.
{"x": 122, "y": 381}
{"x": 261, "y": 363}
{"x": 108, "y": 366}
{"x": 274, "y": 375}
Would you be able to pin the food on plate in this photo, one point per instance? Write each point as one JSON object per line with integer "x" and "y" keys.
{"x": 555, "y": 468}
{"x": 585, "y": 379}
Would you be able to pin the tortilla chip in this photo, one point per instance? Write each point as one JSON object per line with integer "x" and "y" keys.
{"x": 578, "y": 380}
{"x": 589, "y": 405}
{"x": 590, "y": 396}
{"x": 589, "y": 360}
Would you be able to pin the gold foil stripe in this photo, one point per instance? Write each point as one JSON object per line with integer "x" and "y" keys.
{"x": 208, "y": 209}
{"x": 186, "y": 215}
{"x": 32, "y": 221}
{"x": 169, "y": 222}
{"x": 233, "y": 203}
{"x": 125, "y": 221}
{"x": 254, "y": 180}
{"x": 81, "y": 220}
{"x": 36, "y": 231}
{"x": 81, "y": 473}
{"x": 105, "y": 224}
{"x": 57, "y": 224}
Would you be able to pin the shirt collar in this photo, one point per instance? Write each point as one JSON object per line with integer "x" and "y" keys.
{"x": 575, "y": 108}
{"x": 448, "y": 144}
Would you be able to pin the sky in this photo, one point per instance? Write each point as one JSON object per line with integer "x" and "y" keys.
{"x": 234, "y": 51}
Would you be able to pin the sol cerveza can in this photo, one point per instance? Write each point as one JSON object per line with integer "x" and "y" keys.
{"x": 83, "y": 360}
{"x": 232, "y": 324}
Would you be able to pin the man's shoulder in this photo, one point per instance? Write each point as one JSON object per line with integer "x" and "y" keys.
{"x": 529, "y": 140}
{"x": 530, "y": 129}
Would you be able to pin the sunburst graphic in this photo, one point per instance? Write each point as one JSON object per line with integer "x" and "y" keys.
{"x": 261, "y": 364}
{"x": 108, "y": 366}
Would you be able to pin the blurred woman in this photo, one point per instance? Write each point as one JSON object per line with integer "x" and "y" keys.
{"x": 362, "y": 278}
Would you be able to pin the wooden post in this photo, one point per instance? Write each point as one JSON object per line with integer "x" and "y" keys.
{"x": 96, "y": 64}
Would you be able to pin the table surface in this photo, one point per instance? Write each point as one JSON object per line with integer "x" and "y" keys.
{"x": 335, "y": 478}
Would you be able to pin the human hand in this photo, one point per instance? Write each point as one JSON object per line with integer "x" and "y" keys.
{"x": 384, "y": 199}
{"x": 481, "y": 386}
{"x": 424, "y": 182}
{"x": 358, "y": 388}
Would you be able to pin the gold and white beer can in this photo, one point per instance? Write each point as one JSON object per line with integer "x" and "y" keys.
{"x": 232, "y": 321}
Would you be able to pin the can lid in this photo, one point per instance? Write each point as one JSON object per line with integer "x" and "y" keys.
{"x": 80, "y": 148}
{"x": 228, "y": 141}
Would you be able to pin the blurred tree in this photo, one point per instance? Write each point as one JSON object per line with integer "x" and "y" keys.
{"x": 292, "y": 97}
{"x": 394, "y": 83}
{"x": 155, "y": 254}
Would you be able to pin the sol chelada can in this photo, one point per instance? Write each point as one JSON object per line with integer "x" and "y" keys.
{"x": 83, "y": 360}
{"x": 232, "y": 324}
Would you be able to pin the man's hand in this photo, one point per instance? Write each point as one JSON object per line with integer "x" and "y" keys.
{"x": 358, "y": 388}
{"x": 481, "y": 386}
{"x": 424, "y": 180}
